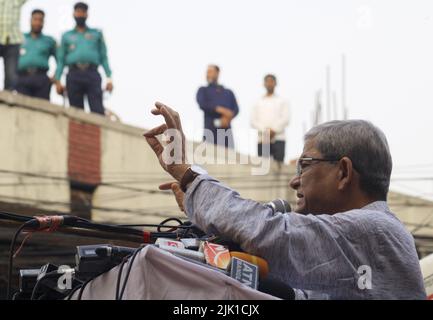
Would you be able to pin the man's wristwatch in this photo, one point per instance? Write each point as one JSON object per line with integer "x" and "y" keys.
{"x": 190, "y": 175}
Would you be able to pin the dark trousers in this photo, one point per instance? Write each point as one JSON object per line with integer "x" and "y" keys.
{"x": 10, "y": 53}
{"x": 36, "y": 85}
{"x": 80, "y": 83}
{"x": 276, "y": 150}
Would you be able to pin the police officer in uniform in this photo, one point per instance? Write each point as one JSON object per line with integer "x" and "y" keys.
{"x": 35, "y": 53}
{"x": 83, "y": 49}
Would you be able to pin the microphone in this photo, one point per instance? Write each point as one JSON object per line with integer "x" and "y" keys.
{"x": 244, "y": 272}
{"x": 114, "y": 252}
{"x": 170, "y": 243}
{"x": 240, "y": 270}
{"x": 279, "y": 205}
{"x": 259, "y": 262}
{"x": 201, "y": 263}
{"x": 50, "y": 222}
{"x": 191, "y": 243}
{"x": 195, "y": 255}
{"x": 179, "y": 248}
{"x": 117, "y": 253}
{"x": 276, "y": 288}
{"x": 216, "y": 255}
{"x": 245, "y": 268}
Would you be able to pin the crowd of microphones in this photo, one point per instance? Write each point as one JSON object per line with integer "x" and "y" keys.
{"x": 184, "y": 240}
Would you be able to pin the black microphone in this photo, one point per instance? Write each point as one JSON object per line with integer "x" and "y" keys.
{"x": 279, "y": 205}
{"x": 276, "y": 288}
{"x": 42, "y": 222}
{"x": 114, "y": 252}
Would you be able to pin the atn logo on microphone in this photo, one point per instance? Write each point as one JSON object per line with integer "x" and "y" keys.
{"x": 245, "y": 272}
{"x": 364, "y": 280}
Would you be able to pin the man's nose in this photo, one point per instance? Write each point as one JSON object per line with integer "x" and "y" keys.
{"x": 295, "y": 182}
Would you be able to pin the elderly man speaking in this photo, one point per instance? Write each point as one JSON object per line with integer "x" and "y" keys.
{"x": 342, "y": 241}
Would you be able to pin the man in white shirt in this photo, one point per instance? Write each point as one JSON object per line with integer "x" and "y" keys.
{"x": 270, "y": 116}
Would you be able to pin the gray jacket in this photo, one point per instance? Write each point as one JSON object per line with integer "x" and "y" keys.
{"x": 360, "y": 254}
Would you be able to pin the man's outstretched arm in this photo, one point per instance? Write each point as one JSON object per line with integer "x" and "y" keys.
{"x": 306, "y": 251}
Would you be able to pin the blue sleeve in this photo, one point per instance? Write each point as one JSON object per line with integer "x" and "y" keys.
{"x": 202, "y": 101}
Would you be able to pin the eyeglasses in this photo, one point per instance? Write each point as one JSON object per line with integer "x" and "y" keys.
{"x": 305, "y": 162}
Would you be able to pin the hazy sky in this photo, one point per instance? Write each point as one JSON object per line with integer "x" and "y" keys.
{"x": 159, "y": 51}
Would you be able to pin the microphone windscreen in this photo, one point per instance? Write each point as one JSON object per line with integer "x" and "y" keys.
{"x": 279, "y": 205}
{"x": 260, "y": 262}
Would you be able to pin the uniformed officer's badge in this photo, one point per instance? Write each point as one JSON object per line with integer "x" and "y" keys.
{"x": 23, "y": 51}
{"x": 88, "y": 36}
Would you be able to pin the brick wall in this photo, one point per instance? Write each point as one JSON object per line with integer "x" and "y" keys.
{"x": 84, "y": 158}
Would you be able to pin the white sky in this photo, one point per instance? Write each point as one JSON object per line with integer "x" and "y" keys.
{"x": 159, "y": 50}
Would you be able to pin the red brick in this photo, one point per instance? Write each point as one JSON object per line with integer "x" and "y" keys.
{"x": 84, "y": 161}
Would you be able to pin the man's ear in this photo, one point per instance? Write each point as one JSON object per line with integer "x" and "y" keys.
{"x": 345, "y": 173}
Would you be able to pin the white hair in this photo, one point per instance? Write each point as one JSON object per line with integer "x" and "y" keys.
{"x": 364, "y": 144}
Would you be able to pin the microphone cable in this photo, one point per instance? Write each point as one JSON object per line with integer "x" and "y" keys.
{"x": 69, "y": 296}
{"x": 80, "y": 294}
{"x": 119, "y": 277}
{"x": 38, "y": 283}
{"x": 119, "y": 296}
{"x": 168, "y": 220}
{"x": 11, "y": 258}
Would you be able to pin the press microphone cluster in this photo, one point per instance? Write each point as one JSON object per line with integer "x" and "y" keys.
{"x": 250, "y": 270}
{"x": 185, "y": 241}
